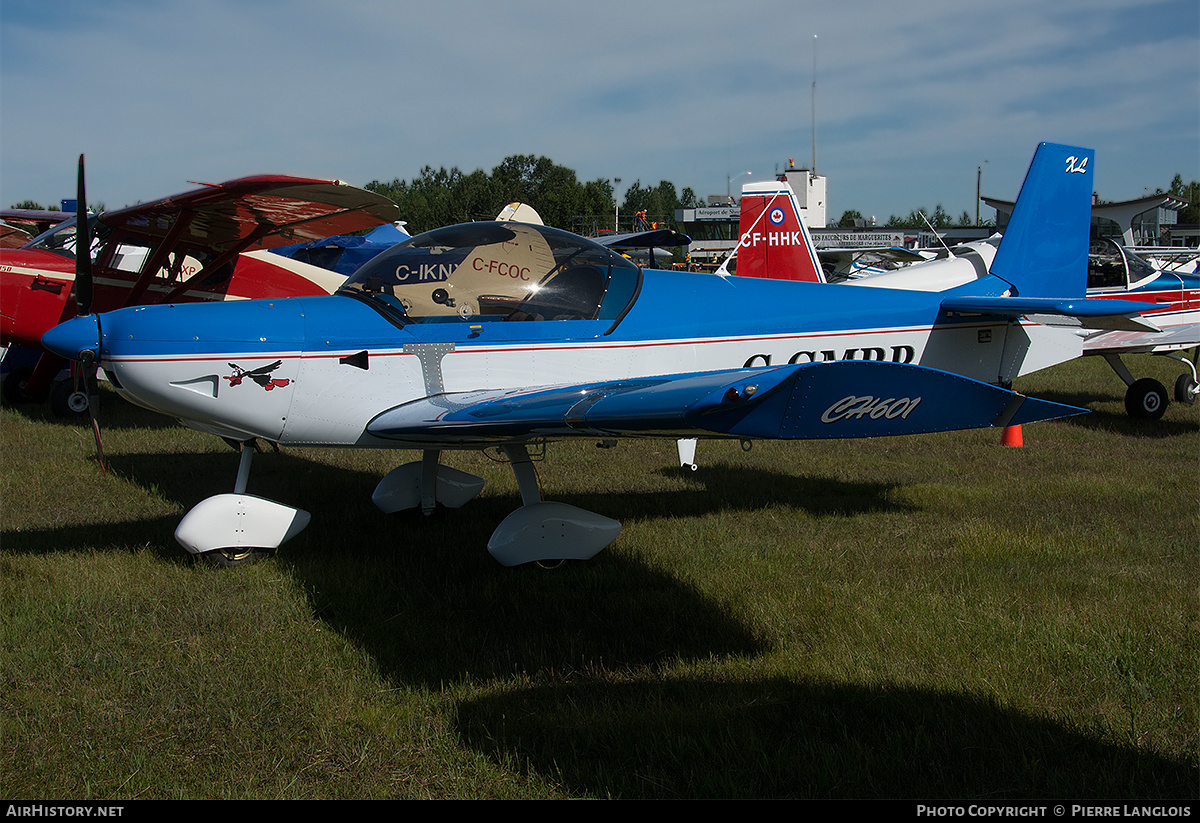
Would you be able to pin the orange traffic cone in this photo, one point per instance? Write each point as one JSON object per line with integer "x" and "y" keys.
{"x": 1012, "y": 437}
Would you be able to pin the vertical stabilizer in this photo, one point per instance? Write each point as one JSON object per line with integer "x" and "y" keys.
{"x": 773, "y": 240}
{"x": 1044, "y": 252}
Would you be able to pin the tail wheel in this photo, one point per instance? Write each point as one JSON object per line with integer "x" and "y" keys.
{"x": 1146, "y": 399}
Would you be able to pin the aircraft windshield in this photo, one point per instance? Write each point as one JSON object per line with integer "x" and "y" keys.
{"x": 61, "y": 238}
{"x": 497, "y": 271}
{"x": 1112, "y": 267}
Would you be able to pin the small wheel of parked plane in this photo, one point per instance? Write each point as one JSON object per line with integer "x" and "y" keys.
{"x": 66, "y": 402}
{"x": 1186, "y": 389}
{"x": 1146, "y": 399}
{"x": 227, "y": 558}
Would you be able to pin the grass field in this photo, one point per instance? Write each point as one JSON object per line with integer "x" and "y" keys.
{"x": 923, "y": 617}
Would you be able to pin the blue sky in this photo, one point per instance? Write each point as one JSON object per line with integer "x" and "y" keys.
{"x": 911, "y": 98}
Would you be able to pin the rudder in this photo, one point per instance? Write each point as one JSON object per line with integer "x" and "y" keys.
{"x": 1044, "y": 251}
{"x": 773, "y": 241}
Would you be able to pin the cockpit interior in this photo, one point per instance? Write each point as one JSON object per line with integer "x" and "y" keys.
{"x": 496, "y": 271}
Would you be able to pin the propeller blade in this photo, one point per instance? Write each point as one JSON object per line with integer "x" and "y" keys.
{"x": 83, "y": 249}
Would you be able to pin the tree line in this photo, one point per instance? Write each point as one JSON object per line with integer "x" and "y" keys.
{"x": 1189, "y": 215}
{"x": 938, "y": 218}
{"x": 441, "y": 197}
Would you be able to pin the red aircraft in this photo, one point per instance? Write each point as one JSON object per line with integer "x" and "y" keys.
{"x": 205, "y": 244}
{"x": 19, "y": 226}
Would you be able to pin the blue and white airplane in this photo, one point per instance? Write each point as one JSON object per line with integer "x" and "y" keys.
{"x": 510, "y": 335}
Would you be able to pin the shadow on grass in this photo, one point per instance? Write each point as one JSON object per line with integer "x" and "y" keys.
{"x": 345, "y": 519}
{"x": 1117, "y": 422}
{"x": 421, "y": 594}
{"x": 115, "y": 413}
{"x": 560, "y": 668}
{"x": 424, "y": 597}
{"x": 732, "y": 486}
{"x": 777, "y": 738}
{"x": 154, "y": 534}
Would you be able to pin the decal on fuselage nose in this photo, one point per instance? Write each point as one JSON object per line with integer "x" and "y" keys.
{"x": 261, "y": 376}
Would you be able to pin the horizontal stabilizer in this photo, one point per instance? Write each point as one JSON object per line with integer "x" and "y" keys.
{"x": 848, "y": 398}
{"x": 1051, "y": 311}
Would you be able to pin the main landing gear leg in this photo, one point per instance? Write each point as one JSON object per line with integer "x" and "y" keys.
{"x": 230, "y": 529}
{"x": 32, "y": 384}
{"x": 544, "y": 531}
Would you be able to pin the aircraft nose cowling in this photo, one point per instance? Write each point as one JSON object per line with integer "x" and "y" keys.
{"x": 228, "y": 368}
{"x": 75, "y": 336}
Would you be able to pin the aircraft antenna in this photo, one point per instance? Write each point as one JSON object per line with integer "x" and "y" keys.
{"x": 935, "y": 234}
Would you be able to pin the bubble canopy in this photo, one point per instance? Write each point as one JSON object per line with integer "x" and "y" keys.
{"x": 491, "y": 271}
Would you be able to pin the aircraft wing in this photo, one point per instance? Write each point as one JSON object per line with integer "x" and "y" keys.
{"x": 35, "y": 221}
{"x": 656, "y": 238}
{"x": 1141, "y": 342}
{"x": 13, "y": 237}
{"x": 890, "y": 254}
{"x": 849, "y": 398}
{"x": 254, "y": 213}
{"x": 850, "y": 262}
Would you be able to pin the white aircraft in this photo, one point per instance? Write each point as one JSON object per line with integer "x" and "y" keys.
{"x": 1172, "y": 301}
{"x": 510, "y": 335}
{"x": 774, "y": 242}
{"x": 1171, "y": 295}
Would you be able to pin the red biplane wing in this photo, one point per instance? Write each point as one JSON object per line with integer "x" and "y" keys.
{"x": 13, "y": 237}
{"x": 255, "y": 213}
{"x": 186, "y": 247}
{"x": 19, "y": 226}
{"x": 220, "y": 222}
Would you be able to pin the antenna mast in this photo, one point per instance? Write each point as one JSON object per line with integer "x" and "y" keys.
{"x": 814, "y": 107}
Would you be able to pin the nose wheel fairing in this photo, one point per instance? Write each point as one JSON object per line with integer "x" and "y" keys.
{"x": 238, "y": 521}
{"x": 232, "y": 524}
